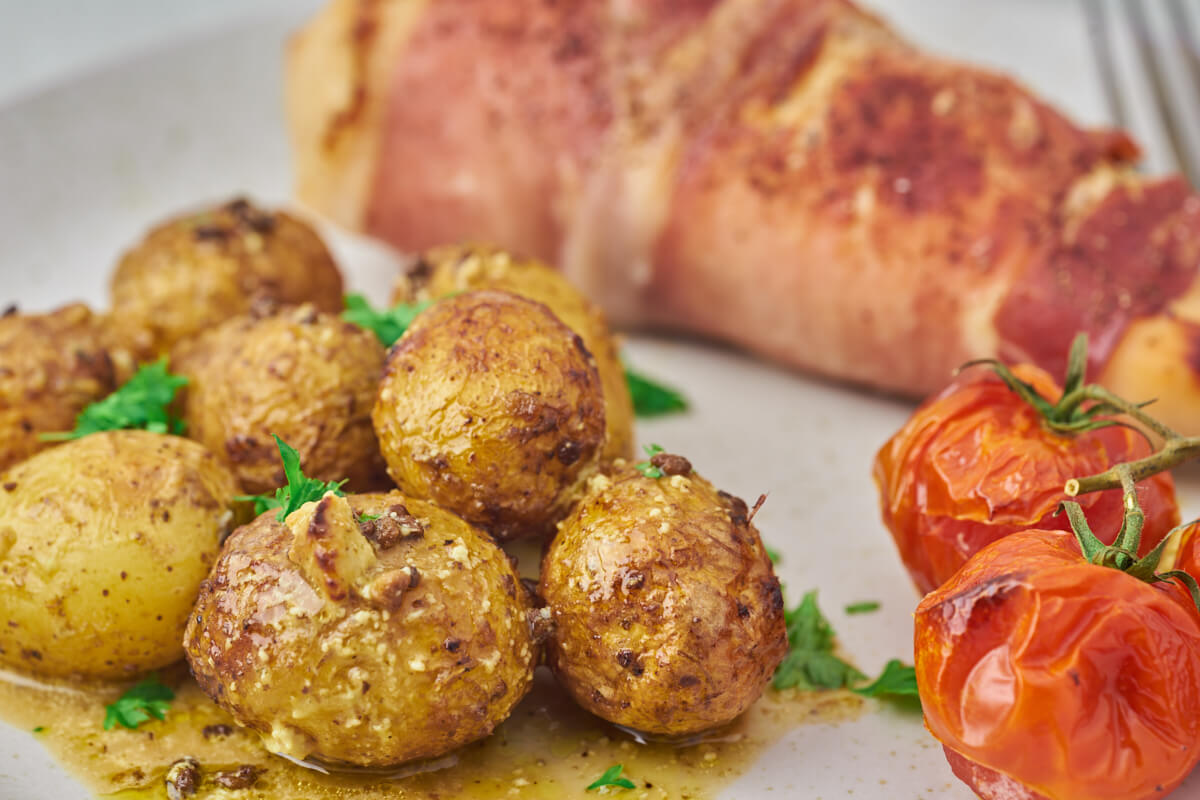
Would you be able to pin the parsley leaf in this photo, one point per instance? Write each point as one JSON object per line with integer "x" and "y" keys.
{"x": 142, "y": 402}
{"x": 897, "y": 679}
{"x": 388, "y": 325}
{"x": 652, "y": 399}
{"x": 865, "y": 607}
{"x": 773, "y": 554}
{"x": 645, "y": 467}
{"x": 612, "y": 777}
{"x": 146, "y": 699}
{"x": 810, "y": 662}
{"x": 300, "y": 488}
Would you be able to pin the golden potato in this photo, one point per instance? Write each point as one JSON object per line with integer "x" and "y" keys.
{"x": 667, "y": 615}
{"x": 307, "y": 377}
{"x": 195, "y": 271}
{"x": 104, "y": 542}
{"x": 492, "y": 408}
{"x": 456, "y": 268}
{"x": 366, "y": 642}
{"x": 51, "y": 367}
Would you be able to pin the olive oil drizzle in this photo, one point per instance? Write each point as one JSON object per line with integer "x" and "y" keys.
{"x": 549, "y": 748}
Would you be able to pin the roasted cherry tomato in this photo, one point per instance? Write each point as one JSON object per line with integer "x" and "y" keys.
{"x": 1046, "y": 676}
{"x": 1184, "y": 554}
{"x": 976, "y": 463}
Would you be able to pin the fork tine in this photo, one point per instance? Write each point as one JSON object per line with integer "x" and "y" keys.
{"x": 1102, "y": 49}
{"x": 1172, "y": 124}
{"x": 1182, "y": 26}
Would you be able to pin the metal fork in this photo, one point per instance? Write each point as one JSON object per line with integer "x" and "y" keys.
{"x": 1148, "y": 56}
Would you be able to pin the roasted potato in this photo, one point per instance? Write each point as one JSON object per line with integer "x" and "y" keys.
{"x": 364, "y": 641}
{"x": 491, "y": 407}
{"x": 52, "y": 365}
{"x": 667, "y": 616}
{"x": 455, "y": 268}
{"x": 195, "y": 271}
{"x": 307, "y": 377}
{"x": 104, "y": 542}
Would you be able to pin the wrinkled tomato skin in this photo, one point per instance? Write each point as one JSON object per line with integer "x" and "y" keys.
{"x": 1070, "y": 679}
{"x": 1185, "y": 556}
{"x": 975, "y": 464}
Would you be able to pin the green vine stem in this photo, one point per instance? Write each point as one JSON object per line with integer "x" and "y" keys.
{"x": 1122, "y": 553}
{"x": 1085, "y": 406}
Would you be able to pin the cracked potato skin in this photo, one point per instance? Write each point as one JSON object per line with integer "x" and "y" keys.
{"x": 197, "y": 270}
{"x": 104, "y": 542}
{"x": 492, "y": 408}
{"x": 666, "y": 613}
{"x": 307, "y": 377}
{"x": 368, "y": 651}
{"x": 52, "y": 366}
{"x": 455, "y": 268}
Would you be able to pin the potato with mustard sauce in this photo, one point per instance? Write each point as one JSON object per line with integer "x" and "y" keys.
{"x": 308, "y": 377}
{"x": 449, "y": 269}
{"x": 666, "y": 613}
{"x": 52, "y": 366}
{"x": 369, "y": 630}
{"x": 104, "y": 542}
{"x": 491, "y": 407}
{"x": 197, "y": 270}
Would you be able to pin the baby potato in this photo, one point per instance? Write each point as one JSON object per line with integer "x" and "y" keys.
{"x": 666, "y": 614}
{"x": 307, "y": 377}
{"x": 197, "y": 270}
{"x": 491, "y": 407}
{"x": 455, "y": 268}
{"x": 52, "y": 365}
{"x": 104, "y": 542}
{"x": 364, "y": 641}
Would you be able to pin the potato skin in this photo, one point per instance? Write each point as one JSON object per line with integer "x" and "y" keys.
{"x": 667, "y": 616}
{"x": 307, "y": 377}
{"x": 197, "y": 270}
{"x": 491, "y": 407}
{"x": 104, "y": 542}
{"x": 52, "y": 366}
{"x": 364, "y": 652}
{"x": 455, "y": 268}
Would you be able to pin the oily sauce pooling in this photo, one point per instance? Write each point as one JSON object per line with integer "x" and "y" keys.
{"x": 549, "y": 748}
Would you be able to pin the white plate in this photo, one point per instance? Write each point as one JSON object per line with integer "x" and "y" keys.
{"x": 87, "y": 166}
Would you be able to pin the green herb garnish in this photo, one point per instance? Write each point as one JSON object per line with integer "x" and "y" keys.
{"x": 897, "y": 680}
{"x": 865, "y": 607}
{"x": 300, "y": 488}
{"x": 645, "y": 467}
{"x": 612, "y": 777}
{"x": 388, "y": 325}
{"x": 810, "y": 662}
{"x": 652, "y": 399}
{"x": 39, "y": 729}
{"x": 146, "y": 699}
{"x": 142, "y": 402}
{"x": 773, "y": 554}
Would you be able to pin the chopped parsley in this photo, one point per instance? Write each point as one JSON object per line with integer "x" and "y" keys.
{"x": 773, "y": 554}
{"x": 612, "y": 777}
{"x": 865, "y": 607}
{"x": 811, "y": 664}
{"x": 146, "y": 699}
{"x": 39, "y": 729}
{"x": 652, "y": 399}
{"x": 300, "y": 488}
{"x": 389, "y": 324}
{"x": 142, "y": 402}
{"x": 897, "y": 680}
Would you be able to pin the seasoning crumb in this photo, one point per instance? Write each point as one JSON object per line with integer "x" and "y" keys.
{"x": 183, "y": 778}
{"x": 243, "y": 777}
